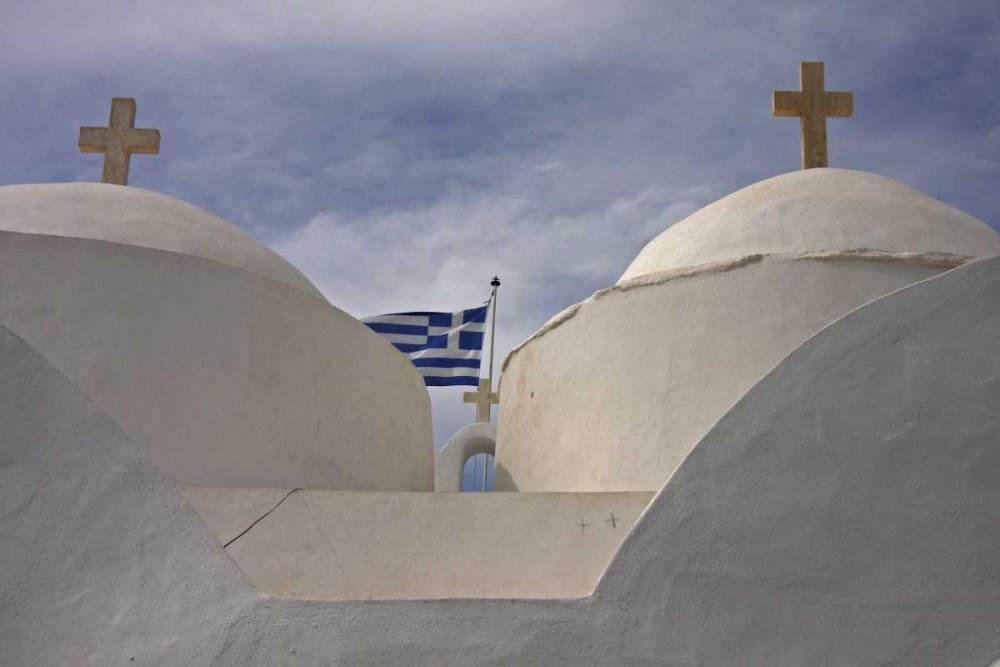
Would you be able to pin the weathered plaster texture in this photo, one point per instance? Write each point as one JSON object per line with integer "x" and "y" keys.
{"x": 703, "y": 312}
{"x": 848, "y": 507}
{"x": 940, "y": 260}
{"x": 343, "y": 545}
{"x": 100, "y": 560}
{"x": 845, "y": 512}
{"x": 222, "y": 375}
{"x": 616, "y": 396}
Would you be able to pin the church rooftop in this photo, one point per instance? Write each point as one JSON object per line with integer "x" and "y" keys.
{"x": 818, "y": 211}
{"x": 142, "y": 218}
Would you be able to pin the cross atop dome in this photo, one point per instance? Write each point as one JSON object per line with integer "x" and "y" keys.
{"x": 813, "y": 104}
{"x": 119, "y": 140}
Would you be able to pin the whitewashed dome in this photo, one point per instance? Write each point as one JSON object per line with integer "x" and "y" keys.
{"x": 141, "y": 218}
{"x": 221, "y": 361}
{"x": 817, "y": 211}
{"x": 613, "y": 393}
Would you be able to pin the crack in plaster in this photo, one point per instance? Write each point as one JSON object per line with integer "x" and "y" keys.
{"x": 930, "y": 258}
{"x": 259, "y": 519}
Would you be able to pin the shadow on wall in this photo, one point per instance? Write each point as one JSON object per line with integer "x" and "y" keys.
{"x": 502, "y": 479}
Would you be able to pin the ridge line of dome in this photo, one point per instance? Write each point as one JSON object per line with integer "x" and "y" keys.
{"x": 318, "y": 295}
{"x": 928, "y": 258}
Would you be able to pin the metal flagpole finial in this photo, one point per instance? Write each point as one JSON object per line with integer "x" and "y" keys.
{"x": 493, "y": 323}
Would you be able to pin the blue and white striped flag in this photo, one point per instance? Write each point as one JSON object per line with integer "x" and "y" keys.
{"x": 445, "y": 347}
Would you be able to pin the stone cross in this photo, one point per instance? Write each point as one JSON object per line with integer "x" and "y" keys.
{"x": 119, "y": 140}
{"x": 813, "y": 104}
{"x": 483, "y": 398}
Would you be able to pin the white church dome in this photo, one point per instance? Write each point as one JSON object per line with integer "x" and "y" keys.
{"x": 214, "y": 355}
{"x": 613, "y": 393}
{"x": 817, "y": 210}
{"x": 141, "y": 218}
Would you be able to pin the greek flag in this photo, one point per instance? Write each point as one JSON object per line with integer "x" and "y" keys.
{"x": 445, "y": 347}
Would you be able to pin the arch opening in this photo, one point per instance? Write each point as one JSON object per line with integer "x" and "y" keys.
{"x": 470, "y": 450}
{"x": 477, "y": 473}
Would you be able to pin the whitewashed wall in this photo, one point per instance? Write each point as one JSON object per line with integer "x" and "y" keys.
{"x": 612, "y": 394}
{"x": 844, "y": 512}
{"x": 222, "y": 367}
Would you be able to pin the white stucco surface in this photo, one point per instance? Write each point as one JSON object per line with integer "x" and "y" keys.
{"x": 816, "y": 210}
{"x": 702, "y": 314}
{"x": 101, "y": 562}
{"x": 341, "y": 545}
{"x": 142, "y": 218}
{"x": 615, "y": 397}
{"x": 224, "y": 376}
{"x": 844, "y": 512}
{"x": 847, "y": 510}
{"x": 449, "y": 461}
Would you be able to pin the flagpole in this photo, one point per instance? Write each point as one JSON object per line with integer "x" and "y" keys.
{"x": 493, "y": 326}
{"x": 495, "y": 283}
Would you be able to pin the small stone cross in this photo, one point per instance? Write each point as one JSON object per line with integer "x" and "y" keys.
{"x": 483, "y": 398}
{"x": 119, "y": 140}
{"x": 813, "y": 104}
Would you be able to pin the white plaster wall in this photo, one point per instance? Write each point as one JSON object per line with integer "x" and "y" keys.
{"x": 136, "y": 217}
{"x": 615, "y": 396}
{"x": 341, "y": 545}
{"x": 449, "y": 461}
{"x": 222, "y": 376}
{"x": 100, "y": 561}
{"x": 817, "y": 210}
{"x": 613, "y": 393}
{"x": 843, "y": 513}
{"x": 847, "y": 510}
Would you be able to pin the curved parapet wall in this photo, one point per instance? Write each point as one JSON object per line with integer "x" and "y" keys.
{"x": 101, "y": 561}
{"x": 844, "y": 513}
{"x": 345, "y": 545}
{"x": 223, "y": 375}
{"x": 613, "y": 393}
{"x": 847, "y": 510}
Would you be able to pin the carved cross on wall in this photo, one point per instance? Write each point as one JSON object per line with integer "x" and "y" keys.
{"x": 814, "y": 105}
{"x": 119, "y": 140}
{"x": 483, "y": 398}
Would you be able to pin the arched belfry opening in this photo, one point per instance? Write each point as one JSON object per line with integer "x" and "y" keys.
{"x": 477, "y": 473}
{"x": 465, "y": 459}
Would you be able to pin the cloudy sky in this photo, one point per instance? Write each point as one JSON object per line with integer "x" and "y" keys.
{"x": 402, "y": 153}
